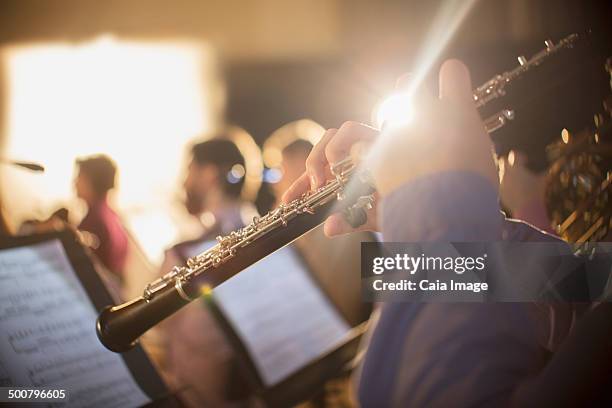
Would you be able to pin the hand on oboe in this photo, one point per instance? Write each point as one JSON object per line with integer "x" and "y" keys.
{"x": 445, "y": 134}
{"x": 334, "y": 146}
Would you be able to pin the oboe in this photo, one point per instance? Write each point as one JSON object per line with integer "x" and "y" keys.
{"x": 119, "y": 327}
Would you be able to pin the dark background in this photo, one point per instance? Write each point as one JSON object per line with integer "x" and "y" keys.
{"x": 328, "y": 60}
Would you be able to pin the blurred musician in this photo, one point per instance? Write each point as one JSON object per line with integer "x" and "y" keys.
{"x": 198, "y": 359}
{"x": 101, "y": 230}
{"x": 293, "y": 164}
{"x": 94, "y": 180}
{"x": 213, "y": 186}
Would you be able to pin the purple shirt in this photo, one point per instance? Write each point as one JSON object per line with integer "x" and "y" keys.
{"x": 106, "y": 225}
{"x": 455, "y": 354}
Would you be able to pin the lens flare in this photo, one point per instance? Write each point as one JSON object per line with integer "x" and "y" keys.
{"x": 394, "y": 111}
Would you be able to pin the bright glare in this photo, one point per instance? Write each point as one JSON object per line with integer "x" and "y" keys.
{"x": 395, "y": 111}
{"x": 140, "y": 103}
{"x": 449, "y": 17}
{"x": 398, "y": 108}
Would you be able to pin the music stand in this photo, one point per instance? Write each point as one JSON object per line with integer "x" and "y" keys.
{"x": 136, "y": 359}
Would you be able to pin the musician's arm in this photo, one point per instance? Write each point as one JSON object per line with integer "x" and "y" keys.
{"x": 444, "y": 354}
{"x": 447, "y": 206}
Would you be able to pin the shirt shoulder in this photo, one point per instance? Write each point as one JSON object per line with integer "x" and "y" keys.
{"x": 518, "y": 230}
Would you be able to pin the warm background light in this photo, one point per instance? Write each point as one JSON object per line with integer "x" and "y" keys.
{"x": 140, "y": 103}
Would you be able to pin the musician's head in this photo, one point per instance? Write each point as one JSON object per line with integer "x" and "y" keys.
{"x": 287, "y": 149}
{"x": 95, "y": 178}
{"x": 293, "y": 164}
{"x": 215, "y": 175}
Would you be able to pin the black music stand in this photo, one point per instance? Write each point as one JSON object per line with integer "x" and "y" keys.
{"x": 302, "y": 384}
{"x": 136, "y": 359}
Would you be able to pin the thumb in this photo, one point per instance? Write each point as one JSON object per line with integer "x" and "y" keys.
{"x": 455, "y": 82}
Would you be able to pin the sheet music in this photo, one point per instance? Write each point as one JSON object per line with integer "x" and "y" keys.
{"x": 47, "y": 332}
{"x": 281, "y": 315}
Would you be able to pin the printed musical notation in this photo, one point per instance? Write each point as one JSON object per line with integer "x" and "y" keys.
{"x": 281, "y": 316}
{"x": 47, "y": 332}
